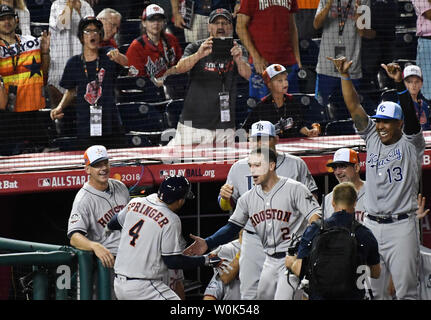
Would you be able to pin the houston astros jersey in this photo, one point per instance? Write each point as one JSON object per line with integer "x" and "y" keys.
{"x": 360, "y": 208}
{"x": 149, "y": 230}
{"x": 92, "y": 209}
{"x": 216, "y": 287}
{"x": 288, "y": 165}
{"x": 393, "y": 171}
{"x": 278, "y": 214}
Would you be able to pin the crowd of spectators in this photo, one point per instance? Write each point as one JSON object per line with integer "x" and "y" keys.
{"x": 168, "y": 44}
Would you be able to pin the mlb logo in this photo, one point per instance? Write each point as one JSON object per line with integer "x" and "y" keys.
{"x": 163, "y": 173}
{"x": 44, "y": 182}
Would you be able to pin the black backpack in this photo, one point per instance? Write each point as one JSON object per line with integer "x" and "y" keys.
{"x": 333, "y": 262}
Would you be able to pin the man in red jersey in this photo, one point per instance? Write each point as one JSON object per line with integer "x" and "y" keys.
{"x": 268, "y": 31}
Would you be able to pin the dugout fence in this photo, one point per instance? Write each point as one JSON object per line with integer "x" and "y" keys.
{"x": 53, "y": 272}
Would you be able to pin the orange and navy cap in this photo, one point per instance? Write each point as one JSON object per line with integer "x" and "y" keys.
{"x": 271, "y": 71}
{"x": 95, "y": 154}
{"x": 344, "y": 156}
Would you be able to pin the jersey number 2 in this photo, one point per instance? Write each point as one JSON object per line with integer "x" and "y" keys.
{"x": 134, "y": 232}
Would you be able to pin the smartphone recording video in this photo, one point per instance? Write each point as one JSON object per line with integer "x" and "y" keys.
{"x": 221, "y": 48}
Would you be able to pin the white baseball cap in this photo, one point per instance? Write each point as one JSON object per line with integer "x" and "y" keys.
{"x": 271, "y": 71}
{"x": 412, "y": 70}
{"x": 152, "y": 10}
{"x": 262, "y": 128}
{"x": 95, "y": 154}
{"x": 388, "y": 110}
{"x": 344, "y": 155}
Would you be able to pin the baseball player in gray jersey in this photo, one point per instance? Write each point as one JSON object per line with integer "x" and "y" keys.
{"x": 278, "y": 208}
{"x": 238, "y": 182}
{"x": 395, "y": 147}
{"x": 346, "y": 166}
{"x": 151, "y": 242}
{"x": 224, "y": 285}
{"x": 95, "y": 204}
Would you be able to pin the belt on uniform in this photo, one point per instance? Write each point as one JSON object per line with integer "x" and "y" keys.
{"x": 388, "y": 219}
{"x": 120, "y": 275}
{"x": 278, "y": 255}
{"x": 250, "y": 232}
{"x": 425, "y": 37}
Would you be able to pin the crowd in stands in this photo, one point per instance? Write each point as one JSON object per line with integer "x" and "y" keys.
{"x": 138, "y": 68}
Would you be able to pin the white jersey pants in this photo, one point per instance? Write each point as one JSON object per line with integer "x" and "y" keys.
{"x": 251, "y": 262}
{"x": 399, "y": 255}
{"x": 140, "y": 289}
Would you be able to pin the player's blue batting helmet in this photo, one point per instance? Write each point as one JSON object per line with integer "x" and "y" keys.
{"x": 174, "y": 188}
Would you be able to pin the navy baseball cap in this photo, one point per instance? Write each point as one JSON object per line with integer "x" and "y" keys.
{"x": 388, "y": 110}
{"x": 220, "y": 12}
{"x": 6, "y": 11}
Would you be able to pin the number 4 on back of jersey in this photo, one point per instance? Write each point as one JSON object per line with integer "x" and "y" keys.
{"x": 134, "y": 232}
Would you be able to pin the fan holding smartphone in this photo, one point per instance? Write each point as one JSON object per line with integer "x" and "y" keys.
{"x": 213, "y": 65}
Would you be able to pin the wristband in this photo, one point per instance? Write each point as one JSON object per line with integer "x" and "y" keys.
{"x": 402, "y": 92}
{"x": 225, "y": 204}
{"x": 347, "y": 79}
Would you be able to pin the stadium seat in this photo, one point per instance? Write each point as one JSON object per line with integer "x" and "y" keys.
{"x": 172, "y": 113}
{"x": 314, "y": 111}
{"x": 130, "y": 29}
{"x": 131, "y": 89}
{"x": 176, "y": 86}
{"x": 406, "y": 43}
{"x": 39, "y": 10}
{"x": 309, "y": 51}
{"x": 307, "y": 79}
{"x": 336, "y": 107}
{"x": 123, "y": 48}
{"x": 389, "y": 95}
{"x": 369, "y": 101}
{"x": 406, "y": 14}
{"x": 36, "y": 28}
{"x": 339, "y": 127}
{"x": 142, "y": 116}
{"x": 143, "y": 139}
{"x": 241, "y": 107}
{"x": 25, "y": 131}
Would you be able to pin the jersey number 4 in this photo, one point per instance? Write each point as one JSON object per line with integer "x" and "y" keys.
{"x": 134, "y": 232}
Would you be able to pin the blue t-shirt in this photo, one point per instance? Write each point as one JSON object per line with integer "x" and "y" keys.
{"x": 87, "y": 91}
{"x": 422, "y": 112}
{"x": 368, "y": 250}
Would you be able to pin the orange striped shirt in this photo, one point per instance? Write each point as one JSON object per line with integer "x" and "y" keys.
{"x": 27, "y": 76}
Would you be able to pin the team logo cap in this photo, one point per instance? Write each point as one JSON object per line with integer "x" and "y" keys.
{"x": 6, "y": 11}
{"x": 388, "y": 110}
{"x": 271, "y": 71}
{"x": 412, "y": 70}
{"x": 95, "y": 154}
{"x": 220, "y": 12}
{"x": 262, "y": 128}
{"x": 344, "y": 156}
{"x": 152, "y": 10}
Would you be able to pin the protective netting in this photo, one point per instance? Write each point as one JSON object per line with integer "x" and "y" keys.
{"x": 131, "y": 101}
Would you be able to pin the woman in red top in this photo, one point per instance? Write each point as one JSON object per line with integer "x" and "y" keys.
{"x": 155, "y": 53}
